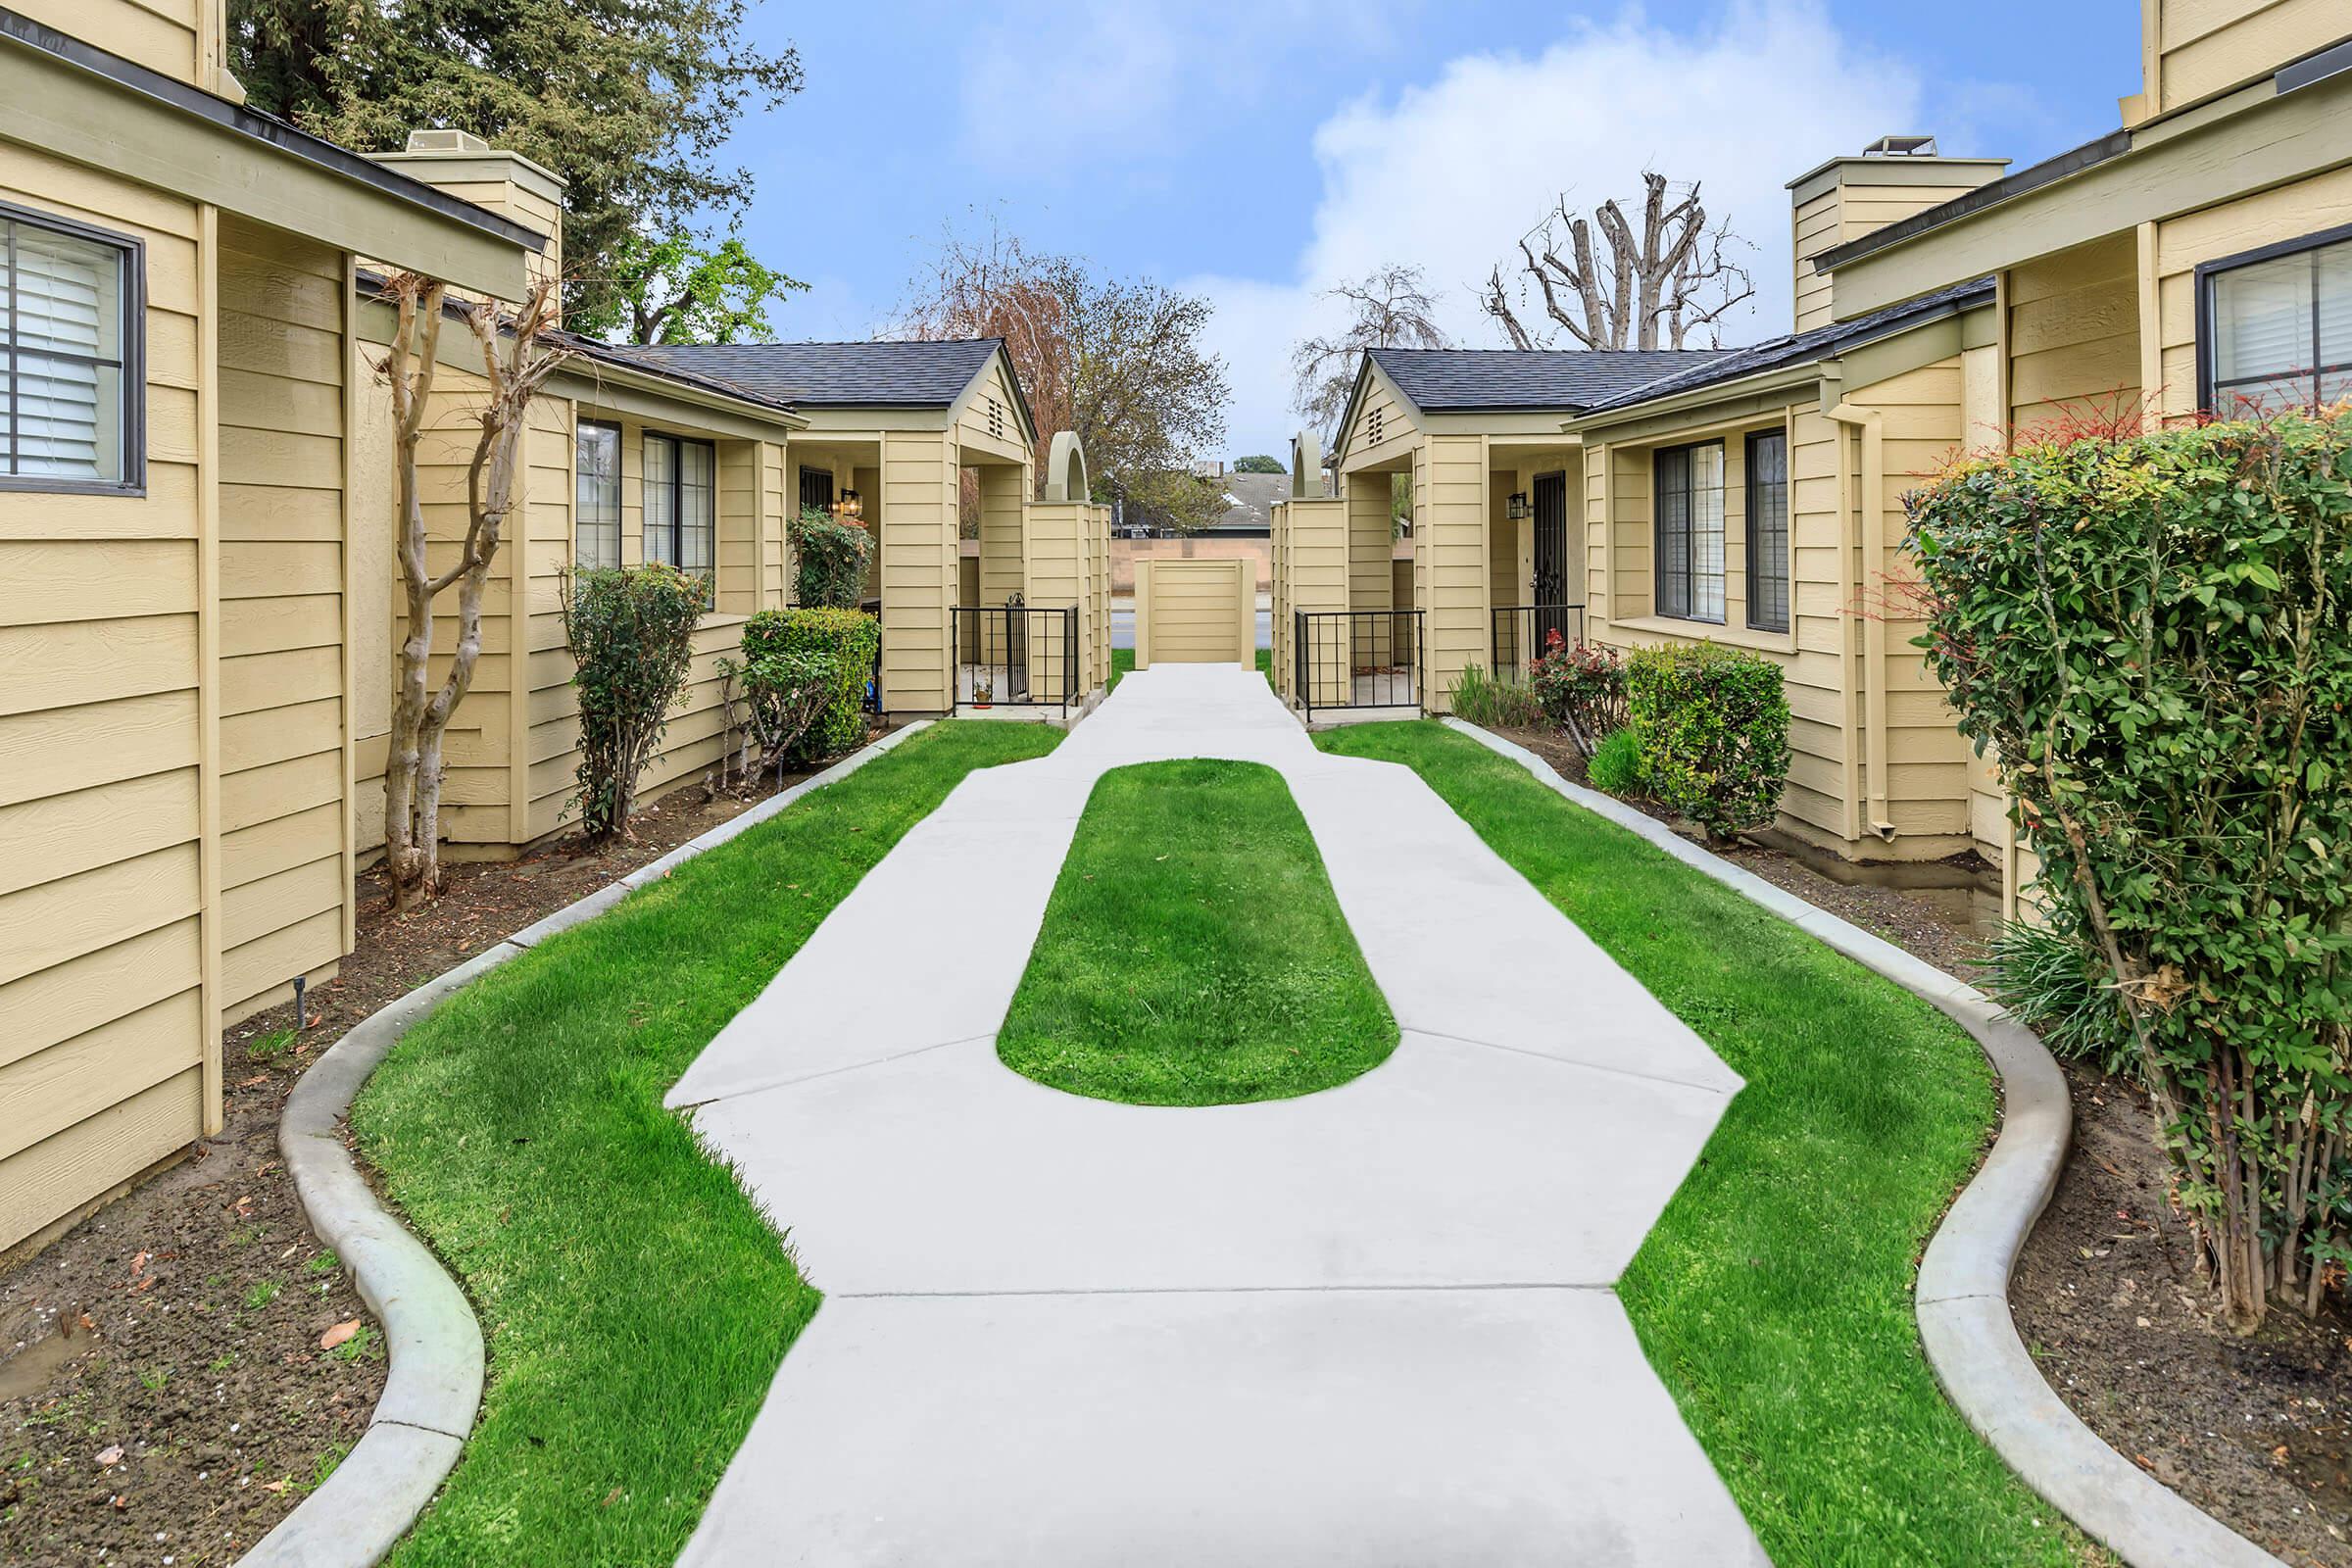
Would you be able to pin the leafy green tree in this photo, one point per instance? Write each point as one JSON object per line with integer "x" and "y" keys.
{"x": 673, "y": 290}
{"x": 1258, "y": 463}
{"x": 628, "y": 100}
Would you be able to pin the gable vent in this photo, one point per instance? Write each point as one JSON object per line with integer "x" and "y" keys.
{"x": 996, "y": 419}
{"x": 1375, "y": 426}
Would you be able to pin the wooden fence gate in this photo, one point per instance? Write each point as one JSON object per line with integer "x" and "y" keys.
{"x": 1195, "y": 612}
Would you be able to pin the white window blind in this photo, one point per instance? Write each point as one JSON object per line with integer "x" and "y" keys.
{"x": 598, "y": 496}
{"x": 2282, "y": 330}
{"x": 62, "y": 411}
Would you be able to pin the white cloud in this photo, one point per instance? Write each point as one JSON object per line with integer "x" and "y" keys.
{"x": 1447, "y": 174}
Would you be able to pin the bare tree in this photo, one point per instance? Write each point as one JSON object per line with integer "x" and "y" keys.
{"x": 1676, "y": 275}
{"x": 516, "y": 360}
{"x": 1389, "y": 308}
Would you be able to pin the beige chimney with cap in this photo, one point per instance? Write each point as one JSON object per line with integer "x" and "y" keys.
{"x": 1847, "y": 197}
{"x": 463, "y": 164}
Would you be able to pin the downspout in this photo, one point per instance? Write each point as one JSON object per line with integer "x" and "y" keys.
{"x": 1866, "y": 518}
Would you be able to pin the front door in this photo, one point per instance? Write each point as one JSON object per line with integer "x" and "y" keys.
{"x": 1551, "y": 558}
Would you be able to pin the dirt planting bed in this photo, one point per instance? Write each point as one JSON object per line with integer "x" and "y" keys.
{"x": 184, "y": 1365}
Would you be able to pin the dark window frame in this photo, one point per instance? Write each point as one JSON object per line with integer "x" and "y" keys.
{"x": 2207, "y": 278}
{"x": 132, "y": 367}
{"x": 677, "y": 502}
{"x": 1754, "y": 551}
{"x": 621, "y": 479}
{"x": 808, "y": 472}
{"x": 1657, "y": 535}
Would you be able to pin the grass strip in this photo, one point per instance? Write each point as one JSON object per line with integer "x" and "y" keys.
{"x": 636, "y": 1305}
{"x": 1774, "y": 1297}
{"x": 1192, "y": 952}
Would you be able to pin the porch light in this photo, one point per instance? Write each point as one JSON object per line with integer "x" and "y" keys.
{"x": 850, "y": 507}
{"x": 1518, "y": 506}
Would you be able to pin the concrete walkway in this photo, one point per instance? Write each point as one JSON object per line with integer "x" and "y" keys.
{"x": 1369, "y": 1326}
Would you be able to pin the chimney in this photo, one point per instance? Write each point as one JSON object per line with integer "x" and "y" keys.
{"x": 507, "y": 183}
{"x": 1847, "y": 197}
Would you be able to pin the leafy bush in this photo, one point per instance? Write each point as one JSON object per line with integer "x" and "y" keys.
{"x": 1711, "y": 726}
{"x": 830, "y": 558}
{"x": 1615, "y": 766}
{"x": 1581, "y": 687}
{"x": 631, "y": 633}
{"x": 846, "y": 640}
{"x": 1478, "y": 698}
{"x": 2150, "y": 634}
{"x": 786, "y": 691}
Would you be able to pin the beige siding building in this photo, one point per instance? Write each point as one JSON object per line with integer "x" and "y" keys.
{"x": 197, "y": 585}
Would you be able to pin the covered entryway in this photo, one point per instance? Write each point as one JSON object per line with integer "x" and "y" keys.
{"x": 1195, "y": 612}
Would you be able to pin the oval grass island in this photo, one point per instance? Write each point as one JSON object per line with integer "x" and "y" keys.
{"x": 1192, "y": 952}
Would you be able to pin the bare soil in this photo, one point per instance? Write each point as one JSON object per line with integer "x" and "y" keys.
{"x": 164, "y": 1393}
{"x": 2256, "y": 1431}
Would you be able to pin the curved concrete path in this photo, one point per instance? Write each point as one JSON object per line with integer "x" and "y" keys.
{"x": 1373, "y": 1325}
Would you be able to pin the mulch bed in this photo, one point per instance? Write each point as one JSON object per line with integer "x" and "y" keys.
{"x": 2255, "y": 1431}
{"x": 164, "y": 1394}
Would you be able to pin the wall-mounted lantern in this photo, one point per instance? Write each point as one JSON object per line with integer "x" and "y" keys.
{"x": 850, "y": 507}
{"x": 1518, "y": 506}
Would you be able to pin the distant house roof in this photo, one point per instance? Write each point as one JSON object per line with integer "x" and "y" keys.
{"x": 1249, "y": 500}
{"x": 1498, "y": 379}
{"x": 812, "y": 376}
{"x": 1800, "y": 347}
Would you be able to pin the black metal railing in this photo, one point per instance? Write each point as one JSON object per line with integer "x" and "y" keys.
{"x": 1357, "y": 658}
{"x": 1014, "y": 656}
{"x": 1519, "y": 634}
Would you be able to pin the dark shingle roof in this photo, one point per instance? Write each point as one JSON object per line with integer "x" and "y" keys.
{"x": 811, "y": 375}
{"x": 1821, "y": 343}
{"x": 1515, "y": 378}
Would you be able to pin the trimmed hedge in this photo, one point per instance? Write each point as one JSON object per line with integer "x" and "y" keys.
{"x": 1712, "y": 727}
{"x": 847, "y": 639}
{"x": 631, "y": 634}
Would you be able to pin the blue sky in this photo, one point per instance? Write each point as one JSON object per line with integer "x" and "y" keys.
{"x": 1258, "y": 150}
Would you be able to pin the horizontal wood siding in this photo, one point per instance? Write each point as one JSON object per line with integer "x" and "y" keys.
{"x": 2073, "y": 331}
{"x": 1450, "y": 545}
{"x": 160, "y": 34}
{"x": 919, "y": 561}
{"x": 2208, "y": 45}
{"x": 105, "y": 1028}
{"x": 281, "y": 609}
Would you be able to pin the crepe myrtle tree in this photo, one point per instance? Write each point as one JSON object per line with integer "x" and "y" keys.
{"x": 517, "y": 358}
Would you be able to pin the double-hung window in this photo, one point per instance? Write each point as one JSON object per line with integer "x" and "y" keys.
{"x": 69, "y": 333}
{"x": 1687, "y": 553}
{"x": 596, "y": 495}
{"x": 681, "y": 500}
{"x": 1768, "y": 530}
{"x": 2275, "y": 325}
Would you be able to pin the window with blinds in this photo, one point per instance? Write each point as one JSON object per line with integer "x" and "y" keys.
{"x": 1768, "y": 530}
{"x": 69, "y": 381}
{"x": 2278, "y": 326}
{"x": 681, "y": 502}
{"x": 597, "y": 496}
{"x": 816, "y": 490}
{"x": 1687, "y": 533}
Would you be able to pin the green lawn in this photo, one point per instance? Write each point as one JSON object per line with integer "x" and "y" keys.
{"x": 1774, "y": 1297}
{"x": 1193, "y": 954}
{"x": 1122, "y": 665}
{"x": 635, "y": 1302}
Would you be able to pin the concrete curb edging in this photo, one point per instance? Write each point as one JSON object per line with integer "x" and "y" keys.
{"x": 433, "y": 1389}
{"x": 1962, "y": 1300}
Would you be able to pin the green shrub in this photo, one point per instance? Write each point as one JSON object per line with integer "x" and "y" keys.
{"x": 1478, "y": 698}
{"x": 830, "y": 562}
{"x": 846, "y": 640}
{"x": 1711, "y": 726}
{"x": 1581, "y": 687}
{"x": 1615, "y": 766}
{"x": 2150, "y": 636}
{"x": 631, "y": 633}
{"x": 784, "y": 693}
